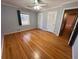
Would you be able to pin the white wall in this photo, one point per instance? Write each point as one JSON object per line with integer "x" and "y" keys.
{"x": 9, "y": 20}
{"x": 60, "y": 12}
{"x": 75, "y": 49}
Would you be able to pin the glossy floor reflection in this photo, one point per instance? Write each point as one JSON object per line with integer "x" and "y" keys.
{"x": 36, "y": 44}
{"x": 27, "y": 37}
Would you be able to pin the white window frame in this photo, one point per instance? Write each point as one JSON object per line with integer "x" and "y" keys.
{"x": 25, "y": 19}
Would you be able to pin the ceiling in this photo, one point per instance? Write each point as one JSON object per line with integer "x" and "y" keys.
{"x": 28, "y": 3}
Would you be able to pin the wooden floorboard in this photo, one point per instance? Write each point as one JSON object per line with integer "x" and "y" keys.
{"x": 35, "y": 44}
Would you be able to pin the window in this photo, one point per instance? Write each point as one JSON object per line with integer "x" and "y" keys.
{"x": 25, "y": 19}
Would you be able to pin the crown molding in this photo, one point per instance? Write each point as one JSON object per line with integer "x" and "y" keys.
{"x": 19, "y": 7}
{"x": 61, "y": 5}
{"x": 7, "y": 4}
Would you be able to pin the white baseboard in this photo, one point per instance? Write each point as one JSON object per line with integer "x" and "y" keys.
{"x": 18, "y": 31}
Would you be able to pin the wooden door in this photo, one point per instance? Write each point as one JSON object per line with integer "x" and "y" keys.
{"x": 69, "y": 19}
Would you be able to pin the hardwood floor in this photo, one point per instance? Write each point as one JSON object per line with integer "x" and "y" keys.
{"x": 35, "y": 44}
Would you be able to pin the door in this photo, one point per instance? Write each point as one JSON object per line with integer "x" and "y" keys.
{"x": 40, "y": 20}
{"x": 51, "y": 21}
{"x": 69, "y": 18}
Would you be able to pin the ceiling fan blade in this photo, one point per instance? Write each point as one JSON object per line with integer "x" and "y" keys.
{"x": 39, "y": 1}
{"x": 42, "y": 4}
{"x": 36, "y": 2}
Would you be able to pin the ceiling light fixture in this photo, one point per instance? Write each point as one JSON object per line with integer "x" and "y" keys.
{"x": 37, "y": 7}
